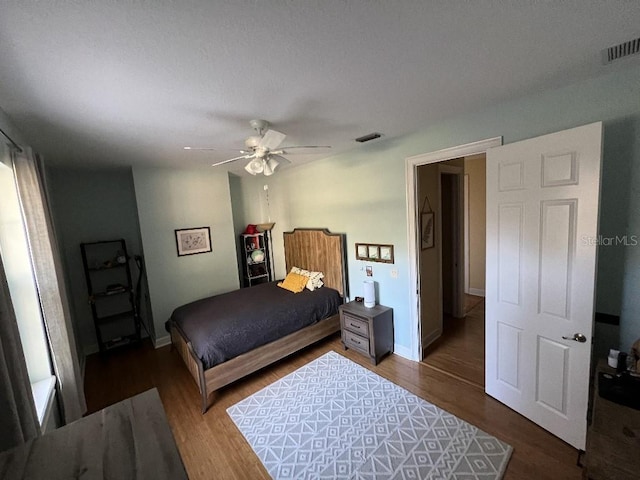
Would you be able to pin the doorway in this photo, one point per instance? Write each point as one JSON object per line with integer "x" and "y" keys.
{"x": 459, "y": 202}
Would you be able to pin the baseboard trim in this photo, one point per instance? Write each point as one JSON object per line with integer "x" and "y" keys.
{"x": 476, "y": 291}
{"x": 162, "y": 341}
{"x": 403, "y": 351}
{"x": 91, "y": 349}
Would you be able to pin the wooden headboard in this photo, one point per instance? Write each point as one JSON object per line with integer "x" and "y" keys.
{"x": 318, "y": 250}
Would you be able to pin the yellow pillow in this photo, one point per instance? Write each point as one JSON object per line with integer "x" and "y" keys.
{"x": 294, "y": 282}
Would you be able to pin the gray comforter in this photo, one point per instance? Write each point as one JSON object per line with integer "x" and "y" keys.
{"x": 225, "y": 326}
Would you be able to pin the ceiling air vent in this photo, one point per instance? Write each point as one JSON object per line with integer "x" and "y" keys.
{"x": 626, "y": 49}
{"x": 369, "y": 137}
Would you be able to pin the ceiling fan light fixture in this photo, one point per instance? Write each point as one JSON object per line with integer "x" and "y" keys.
{"x": 270, "y": 166}
{"x": 254, "y": 166}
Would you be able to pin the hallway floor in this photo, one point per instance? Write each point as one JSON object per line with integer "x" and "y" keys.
{"x": 460, "y": 350}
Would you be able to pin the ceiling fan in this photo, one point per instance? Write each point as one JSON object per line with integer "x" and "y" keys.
{"x": 263, "y": 150}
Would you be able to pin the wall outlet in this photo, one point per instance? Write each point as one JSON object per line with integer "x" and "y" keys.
{"x": 369, "y": 270}
{"x": 394, "y": 273}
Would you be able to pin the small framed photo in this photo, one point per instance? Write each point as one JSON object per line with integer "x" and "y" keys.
{"x": 190, "y": 241}
{"x": 386, "y": 253}
{"x": 373, "y": 252}
{"x": 362, "y": 252}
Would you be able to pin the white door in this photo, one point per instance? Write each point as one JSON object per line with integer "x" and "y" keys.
{"x": 542, "y": 220}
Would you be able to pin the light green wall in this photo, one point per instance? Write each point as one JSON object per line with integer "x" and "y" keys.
{"x": 363, "y": 193}
{"x": 91, "y": 205}
{"x": 630, "y": 314}
{"x": 170, "y": 199}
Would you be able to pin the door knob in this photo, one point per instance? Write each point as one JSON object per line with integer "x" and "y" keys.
{"x": 578, "y": 337}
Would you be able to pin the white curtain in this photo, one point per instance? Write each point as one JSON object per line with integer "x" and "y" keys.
{"x": 50, "y": 284}
{"x": 18, "y": 417}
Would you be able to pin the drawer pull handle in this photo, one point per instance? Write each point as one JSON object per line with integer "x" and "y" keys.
{"x": 355, "y": 326}
{"x": 355, "y": 341}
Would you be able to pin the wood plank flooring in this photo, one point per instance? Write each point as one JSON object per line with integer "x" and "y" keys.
{"x": 212, "y": 447}
{"x": 460, "y": 349}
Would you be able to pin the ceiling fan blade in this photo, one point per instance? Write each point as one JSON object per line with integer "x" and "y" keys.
{"x": 279, "y": 158}
{"x": 286, "y": 150}
{"x": 199, "y": 148}
{"x": 232, "y": 160}
{"x": 271, "y": 140}
{"x": 305, "y": 146}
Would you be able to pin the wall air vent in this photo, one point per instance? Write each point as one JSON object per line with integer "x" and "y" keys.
{"x": 369, "y": 137}
{"x": 626, "y": 49}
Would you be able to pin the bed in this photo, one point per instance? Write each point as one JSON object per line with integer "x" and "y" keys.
{"x": 216, "y": 364}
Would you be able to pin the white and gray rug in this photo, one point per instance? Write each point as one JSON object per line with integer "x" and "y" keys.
{"x": 335, "y": 419}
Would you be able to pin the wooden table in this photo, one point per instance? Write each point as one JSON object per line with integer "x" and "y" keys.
{"x": 130, "y": 439}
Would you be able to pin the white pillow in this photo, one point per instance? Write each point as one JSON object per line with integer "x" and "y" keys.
{"x": 315, "y": 278}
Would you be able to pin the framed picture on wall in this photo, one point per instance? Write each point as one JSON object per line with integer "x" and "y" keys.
{"x": 427, "y": 230}
{"x": 373, "y": 252}
{"x": 190, "y": 241}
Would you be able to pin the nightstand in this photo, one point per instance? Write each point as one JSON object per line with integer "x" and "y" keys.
{"x": 367, "y": 330}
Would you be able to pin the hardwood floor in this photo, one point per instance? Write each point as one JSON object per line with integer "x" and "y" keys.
{"x": 212, "y": 447}
{"x": 460, "y": 349}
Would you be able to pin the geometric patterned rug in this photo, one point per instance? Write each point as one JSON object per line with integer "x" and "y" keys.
{"x": 334, "y": 419}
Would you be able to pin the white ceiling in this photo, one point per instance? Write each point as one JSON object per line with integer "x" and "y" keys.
{"x": 123, "y": 82}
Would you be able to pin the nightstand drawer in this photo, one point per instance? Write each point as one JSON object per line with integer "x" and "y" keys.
{"x": 351, "y": 340}
{"x": 357, "y": 325}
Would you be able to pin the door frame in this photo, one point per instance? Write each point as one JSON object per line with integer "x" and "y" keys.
{"x": 411, "y": 165}
{"x": 467, "y": 240}
{"x": 458, "y": 251}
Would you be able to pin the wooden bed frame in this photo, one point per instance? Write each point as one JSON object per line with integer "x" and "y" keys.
{"x": 311, "y": 249}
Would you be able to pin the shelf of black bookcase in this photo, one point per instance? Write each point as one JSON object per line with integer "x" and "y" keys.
{"x": 258, "y": 276}
{"x": 112, "y": 293}
{"x": 100, "y": 269}
{"x": 121, "y": 341}
{"x": 115, "y": 317}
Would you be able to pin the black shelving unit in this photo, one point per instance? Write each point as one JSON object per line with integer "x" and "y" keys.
{"x": 256, "y": 264}
{"x": 111, "y": 295}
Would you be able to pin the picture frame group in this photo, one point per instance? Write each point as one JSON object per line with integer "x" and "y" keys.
{"x": 374, "y": 252}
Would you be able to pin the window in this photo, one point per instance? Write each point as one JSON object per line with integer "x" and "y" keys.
{"x": 22, "y": 287}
